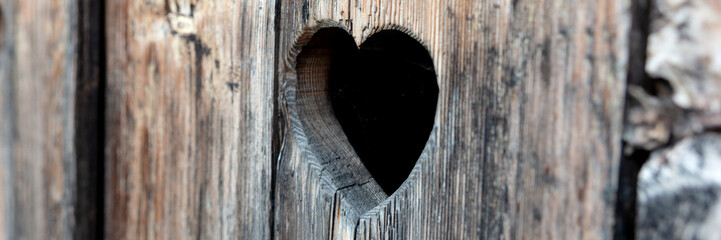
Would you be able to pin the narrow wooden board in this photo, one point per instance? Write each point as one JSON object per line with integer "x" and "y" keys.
{"x": 526, "y": 140}
{"x": 189, "y": 119}
{"x": 38, "y": 55}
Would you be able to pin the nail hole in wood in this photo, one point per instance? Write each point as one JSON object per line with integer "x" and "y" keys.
{"x": 384, "y": 97}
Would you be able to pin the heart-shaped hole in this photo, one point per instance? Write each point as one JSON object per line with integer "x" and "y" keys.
{"x": 384, "y": 96}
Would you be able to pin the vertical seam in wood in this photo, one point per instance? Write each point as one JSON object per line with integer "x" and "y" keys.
{"x": 91, "y": 54}
{"x": 276, "y": 124}
{"x": 629, "y": 167}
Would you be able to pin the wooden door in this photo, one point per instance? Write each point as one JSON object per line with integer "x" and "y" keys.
{"x": 530, "y": 102}
{"x": 189, "y": 119}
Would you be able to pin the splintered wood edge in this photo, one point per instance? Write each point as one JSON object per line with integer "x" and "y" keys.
{"x": 303, "y": 37}
{"x": 395, "y": 27}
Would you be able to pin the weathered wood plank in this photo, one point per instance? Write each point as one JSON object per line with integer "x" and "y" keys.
{"x": 533, "y": 88}
{"x": 190, "y": 116}
{"x": 322, "y": 187}
{"x": 525, "y": 143}
{"x": 37, "y": 152}
{"x": 6, "y": 118}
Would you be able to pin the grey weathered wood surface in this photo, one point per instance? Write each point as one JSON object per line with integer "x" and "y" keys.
{"x": 322, "y": 187}
{"x": 525, "y": 143}
{"x": 50, "y": 105}
{"x": 189, "y": 119}
{"x": 38, "y": 88}
{"x": 38, "y": 80}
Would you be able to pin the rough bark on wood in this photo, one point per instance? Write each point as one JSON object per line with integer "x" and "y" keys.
{"x": 190, "y": 117}
{"x": 525, "y": 143}
{"x": 679, "y": 191}
{"x": 678, "y": 187}
{"x": 683, "y": 49}
{"x": 681, "y": 52}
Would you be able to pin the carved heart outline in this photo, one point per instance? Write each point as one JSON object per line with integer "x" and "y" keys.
{"x": 315, "y": 146}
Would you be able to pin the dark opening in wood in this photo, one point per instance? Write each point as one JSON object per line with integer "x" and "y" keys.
{"x": 384, "y": 97}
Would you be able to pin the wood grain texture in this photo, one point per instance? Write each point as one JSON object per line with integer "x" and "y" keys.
{"x": 189, "y": 119}
{"x": 525, "y": 142}
{"x": 526, "y": 137}
{"x": 38, "y": 71}
{"x": 6, "y": 118}
{"x": 322, "y": 187}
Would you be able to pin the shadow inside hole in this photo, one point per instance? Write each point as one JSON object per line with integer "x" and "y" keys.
{"x": 384, "y": 97}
